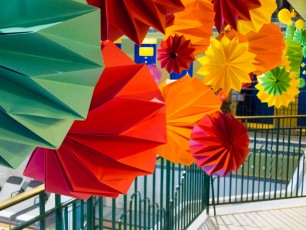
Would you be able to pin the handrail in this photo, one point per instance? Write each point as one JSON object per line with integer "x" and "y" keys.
{"x": 21, "y": 197}
{"x": 271, "y": 116}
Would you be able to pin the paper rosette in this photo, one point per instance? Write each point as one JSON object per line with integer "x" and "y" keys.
{"x": 48, "y": 72}
{"x": 103, "y": 154}
{"x": 175, "y": 54}
{"x": 219, "y": 143}
{"x": 187, "y": 100}
{"x": 228, "y": 12}
{"x": 285, "y": 16}
{"x": 294, "y": 54}
{"x": 277, "y": 87}
{"x": 268, "y": 44}
{"x": 300, "y": 36}
{"x": 195, "y": 23}
{"x": 134, "y": 18}
{"x": 290, "y": 32}
{"x": 227, "y": 64}
{"x": 259, "y": 16}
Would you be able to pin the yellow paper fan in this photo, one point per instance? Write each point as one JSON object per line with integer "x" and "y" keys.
{"x": 227, "y": 64}
{"x": 278, "y": 99}
{"x": 259, "y": 17}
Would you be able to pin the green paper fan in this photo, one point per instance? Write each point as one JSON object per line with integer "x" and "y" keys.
{"x": 51, "y": 62}
{"x": 300, "y": 36}
{"x": 276, "y": 81}
{"x": 304, "y": 51}
{"x": 290, "y": 32}
{"x": 294, "y": 53}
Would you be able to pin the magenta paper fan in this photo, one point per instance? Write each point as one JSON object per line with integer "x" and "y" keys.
{"x": 219, "y": 143}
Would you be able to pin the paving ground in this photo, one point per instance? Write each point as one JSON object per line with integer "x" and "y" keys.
{"x": 289, "y": 218}
{"x": 289, "y": 214}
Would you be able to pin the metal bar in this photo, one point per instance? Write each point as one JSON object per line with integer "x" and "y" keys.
{"x": 276, "y": 161}
{"x": 145, "y": 203}
{"x": 205, "y": 194}
{"x": 113, "y": 213}
{"x": 288, "y": 157}
{"x": 135, "y": 203}
{"x": 153, "y": 198}
{"x": 168, "y": 192}
{"x": 254, "y": 164}
{"x": 100, "y": 221}
{"x": 242, "y": 182}
{"x": 90, "y": 218}
{"x": 42, "y": 199}
{"x": 58, "y": 213}
{"x": 125, "y": 211}
{"x": 66, "y": 218}
{"x": 21, "y": 197}
{"x": 213, "y": 196}
{"x": 74, "y": 217}
{"x": 230, "y": 188}
{"x": 270, "y": 116}
{"x": 265, "y": 165}
{"x": 161, "y": 190}
{"x": 298, "y": 164}
{"x": 82, "y": 213}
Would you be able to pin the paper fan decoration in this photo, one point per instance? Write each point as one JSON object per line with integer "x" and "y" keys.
{"x": 299, "y": 24}
{"x": 229, "y": 11}
{"x": 227, "y": 64}
{"x": 103, "y": 154}
{"x": 195, "y": 23}
{"x": 294, "y": 54}
{"x": 219, "y": 143}
{"x": 259, "y": 16}
{"x": 48, "y": 72}
{"x": 134, "y": 18}
{"x": 187, "y": 100}
{"x": 268, "y": 44}
{"x": 284, "y": 16}
{"x": 175, "y": 54}
{"x": 290, "y": 32}
{"x": 300, "y": 36}
{"x": 277, "y": 87}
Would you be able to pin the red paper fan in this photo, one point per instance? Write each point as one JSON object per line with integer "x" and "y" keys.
{"x": 219, "y": 143}
{"x": 228, "y": 12}
{"x": 103, "y": 154}
{"x": 134, "y": 18}
{"x": 175, "y": 54}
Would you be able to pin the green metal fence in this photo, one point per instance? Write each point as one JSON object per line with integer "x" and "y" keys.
{"x": 274, "y": 168}
{"x": 175, "y": 195}
{"x": 171, "y": 198}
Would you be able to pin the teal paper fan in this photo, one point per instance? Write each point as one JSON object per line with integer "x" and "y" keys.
{"x": 50, "y": 63}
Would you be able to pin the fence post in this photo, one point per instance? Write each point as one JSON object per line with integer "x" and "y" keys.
{"x": 42, "y": 201}
{"x": 58, "y": 213}
{"x": 168, "y": 192}
{"x": 90, "y": 217}
{"x": 205, "y": 197}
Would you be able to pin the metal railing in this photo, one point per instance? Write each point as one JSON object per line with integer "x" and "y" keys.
{"x": 274, "y": 168}
{"x": 246, "y": 103}
{"x": 171, "y": 198}
{"x": 175, "y": 195}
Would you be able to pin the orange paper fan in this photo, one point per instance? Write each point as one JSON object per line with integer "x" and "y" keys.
{"x": 195, "y": 23}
